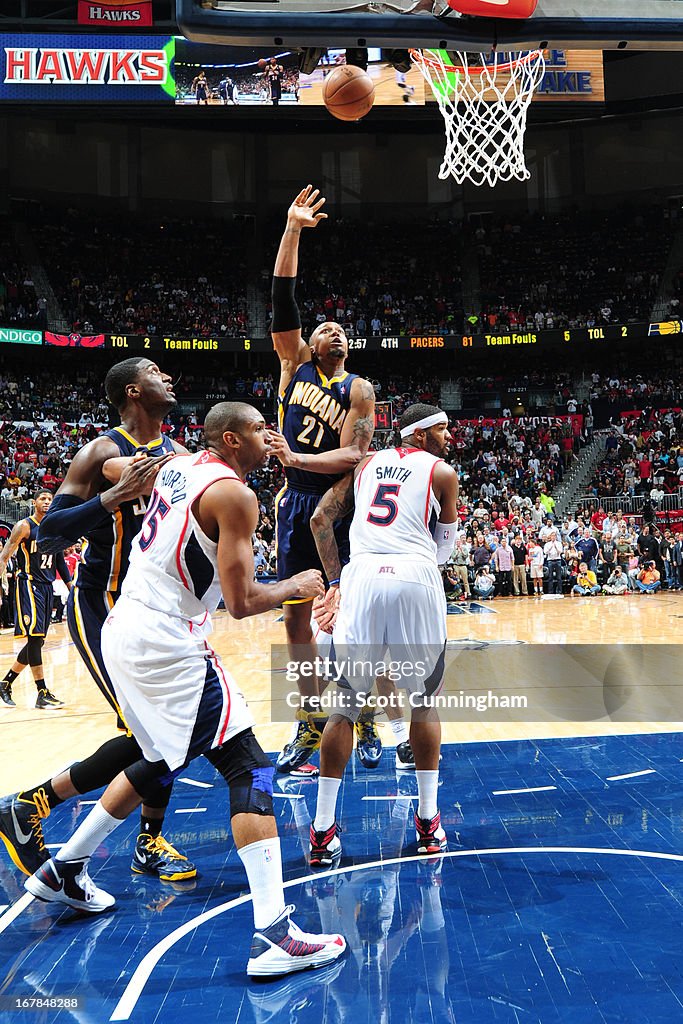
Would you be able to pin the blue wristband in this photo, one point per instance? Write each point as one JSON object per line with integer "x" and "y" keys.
{"x": 334, "y": 583}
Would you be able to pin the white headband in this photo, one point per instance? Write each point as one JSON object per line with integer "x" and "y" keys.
{"x": 428, "y": 421}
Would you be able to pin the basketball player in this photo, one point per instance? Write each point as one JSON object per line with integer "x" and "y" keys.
{"x": 327, "y": 419}
{"x": 391, "y": 597}
{"x": 200, "y": 88}
{"x": 109, "y": 518}
{"x": 226, "y": 91}
{"x": 33, "y": 602}
{"x": 180, "y": 701}
{"x": 273, "y": 74}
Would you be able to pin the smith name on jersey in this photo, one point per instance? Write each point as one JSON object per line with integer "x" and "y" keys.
{"x": 313, "y": 410}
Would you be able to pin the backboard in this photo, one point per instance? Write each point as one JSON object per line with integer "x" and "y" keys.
{"x": 575, "y": 24}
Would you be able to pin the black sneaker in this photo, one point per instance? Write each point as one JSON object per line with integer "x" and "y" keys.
{"x": 405, "y": 759}
{"x": 153, "y": 855}
{"x": 6, "y": 694}
{"x": 368, "y": 742}
{"x": 21, "y": 830}
{"x": 325, "y": 847}
{"x": 69, "y": 882}
{"x": 304, "y": 744}
{"x": 46, "y": 701}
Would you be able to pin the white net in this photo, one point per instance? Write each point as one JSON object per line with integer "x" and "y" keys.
{"x": 484, "y": 106}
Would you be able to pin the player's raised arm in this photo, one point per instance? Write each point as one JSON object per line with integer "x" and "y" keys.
{"x": 286, "y": 327}
{"x": 355, "y": 438}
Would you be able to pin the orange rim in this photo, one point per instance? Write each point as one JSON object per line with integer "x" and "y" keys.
{"x": 431, "y": 62}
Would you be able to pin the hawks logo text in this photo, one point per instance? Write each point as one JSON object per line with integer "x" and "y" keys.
{"x": 30, "y": 66}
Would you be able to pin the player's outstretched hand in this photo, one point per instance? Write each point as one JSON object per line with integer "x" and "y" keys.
{"x": 325, "y": 610}
{"x": 281, "y": 450}
{"x": 137, "y": 477}
{"x": 305, "y": 210}
{"x": 309, "y": 583}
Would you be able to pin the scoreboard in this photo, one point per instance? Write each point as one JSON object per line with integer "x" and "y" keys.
{"x": 374, "y": 344}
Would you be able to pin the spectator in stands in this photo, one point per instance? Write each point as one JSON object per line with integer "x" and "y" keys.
{"x": 587, "y": 546}
{"x": 586, "y": 582}
{"x": 536, "y": 562}
{"x": 648, "y": 578}
{"x": 617, "y": 582}
{"x": 553, "y": 551}
{"x": 519, "y": 555}
{"x": 459, "y": 563}
{"x": 484, "y": 584}
{"x": 503, "y": 560}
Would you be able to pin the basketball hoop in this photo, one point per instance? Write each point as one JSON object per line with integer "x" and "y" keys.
{"x": 484, "y": 106}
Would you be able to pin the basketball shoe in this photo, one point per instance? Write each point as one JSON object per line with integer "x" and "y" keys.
{"x": 324, "y": 847}
{"x": 283, "y": 948}
{"x": 21, "y": 830}
{"x": 368, "y": 742}
{"x": 46, "y": 701}
{"x": 6, "y": 694}
{"x": 68, "y": 882}
{"x": 405, "y": 759}
{"x": 153, "y": 855}
{"x": 305, "y": 742}
{"x": 431, "y": 838}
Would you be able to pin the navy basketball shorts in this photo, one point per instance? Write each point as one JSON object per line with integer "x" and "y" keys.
{"x": 33, "y": 608}
{"x": 294, "y": 543}
{"x": 86, "y": 612}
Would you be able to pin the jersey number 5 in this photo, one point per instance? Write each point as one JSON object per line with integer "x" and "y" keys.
{"x": 156, "y": 511}
{"x": 386, "y": 503}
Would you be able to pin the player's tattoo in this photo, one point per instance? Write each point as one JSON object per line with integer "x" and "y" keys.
{"x": 367, "y": 392}
{"x": 333, "y": 505}
{"x": 363, "y": 429}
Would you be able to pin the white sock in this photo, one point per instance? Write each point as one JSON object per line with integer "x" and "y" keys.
{"x": 427, "y": 786}
{"x": 400, "y": 730}
{"x": 263, "y": 865}
{"x": 325, "y": 808}
{"x": 94, "y": 830}
{"x": 432, "y": 913}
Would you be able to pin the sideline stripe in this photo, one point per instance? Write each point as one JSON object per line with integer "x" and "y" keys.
{"x": 194, "y": 782}
{"x": 631, "y": 775}
{"x": 533, "y": 789}
{"x": 15, "y": 910}
{"x": 133, "y": 990}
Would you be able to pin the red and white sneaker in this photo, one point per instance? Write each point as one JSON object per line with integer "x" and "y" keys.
{"x": 283, "y": 947}
{"x": 325, "y": 847}
{"x": 431, "y": 838}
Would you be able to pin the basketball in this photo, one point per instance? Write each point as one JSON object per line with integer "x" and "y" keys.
{"x": 348, "y": 93}
{"x": 261, "y": 63}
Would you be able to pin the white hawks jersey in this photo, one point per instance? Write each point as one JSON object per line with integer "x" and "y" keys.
{"x": 173, "y": 563}
{"x": 395, "y": 505}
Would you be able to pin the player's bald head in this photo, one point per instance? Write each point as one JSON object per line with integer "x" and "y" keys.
{"x": 233, "y": 417}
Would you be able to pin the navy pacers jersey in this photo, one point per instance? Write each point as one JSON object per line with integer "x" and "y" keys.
{"x": 104, "y": 560}
{"x": 33, "y": 564}
{"x": 312, "y": 412}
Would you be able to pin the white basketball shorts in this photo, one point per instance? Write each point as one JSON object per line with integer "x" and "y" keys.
{"x": 176, "y": 696}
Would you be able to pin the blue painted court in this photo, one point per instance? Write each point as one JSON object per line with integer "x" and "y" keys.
{"x": 559, "y": 900}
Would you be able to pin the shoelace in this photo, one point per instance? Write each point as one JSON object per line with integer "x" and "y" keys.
{"x": 86, "y": 883}
{"x": 160, "y": 845}
{"x": 42, "y": 811}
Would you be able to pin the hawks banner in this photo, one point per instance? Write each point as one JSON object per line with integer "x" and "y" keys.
{"x": 115, "y": 13}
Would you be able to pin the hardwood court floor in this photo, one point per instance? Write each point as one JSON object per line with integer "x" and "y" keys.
{"x": 36, "y": 744}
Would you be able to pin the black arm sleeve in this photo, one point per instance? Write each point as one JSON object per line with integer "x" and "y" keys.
{"x": 63, "y": 568}
{"x": 68, "y": 519}
{"x": 285, "y": 310}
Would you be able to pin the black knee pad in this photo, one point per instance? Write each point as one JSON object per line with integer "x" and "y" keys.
{"x": 105, "y": 764}
{"x": 34, "y": 650}
{"x": 248, "y": 772}
{"x": 146, "y": 777}
{"x": 22, "y": 656}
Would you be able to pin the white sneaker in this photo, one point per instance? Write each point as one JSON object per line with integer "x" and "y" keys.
{"x": 68, "y": 882}
{"x": 282, "y": 948}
